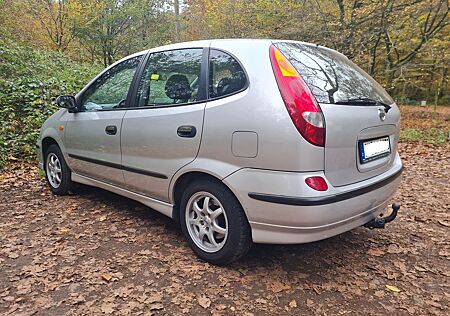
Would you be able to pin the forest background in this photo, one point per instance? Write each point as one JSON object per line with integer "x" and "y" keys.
{"x": 52, "y": 47}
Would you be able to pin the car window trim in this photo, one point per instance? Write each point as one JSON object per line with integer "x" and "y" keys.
{"x": 247, "y": 81}
{"x": 133, "y": 105}
{"x": 79, "y": 96}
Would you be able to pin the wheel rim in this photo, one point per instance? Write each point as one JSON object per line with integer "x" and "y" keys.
{"x": 53, "y": 170}
{"x": 206, "y": 222}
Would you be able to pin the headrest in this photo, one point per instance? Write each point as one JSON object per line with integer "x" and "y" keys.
{"x": 178, "y": 88}
{"x": 231, "y": 84}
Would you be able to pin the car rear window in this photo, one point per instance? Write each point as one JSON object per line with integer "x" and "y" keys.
{"x": 331, "y": 76}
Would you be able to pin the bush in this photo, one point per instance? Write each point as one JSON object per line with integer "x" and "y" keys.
{"x": 30, "y": 81}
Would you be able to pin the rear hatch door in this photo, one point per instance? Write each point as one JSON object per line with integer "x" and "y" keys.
{"x": 361, "y": 119}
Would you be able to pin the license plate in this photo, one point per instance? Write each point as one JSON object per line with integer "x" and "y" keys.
{"x": 370, "y": 150}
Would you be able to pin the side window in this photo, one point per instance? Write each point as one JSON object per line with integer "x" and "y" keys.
{"x": 111, "y": 89}
{"x": 226, "y": 75}
{"x": 171, "y": 78}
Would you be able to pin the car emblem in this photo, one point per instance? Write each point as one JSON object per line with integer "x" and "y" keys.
{"x": 381, "y": 114}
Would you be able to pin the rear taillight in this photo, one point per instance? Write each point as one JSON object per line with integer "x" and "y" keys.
{"x": 299, "y": 101}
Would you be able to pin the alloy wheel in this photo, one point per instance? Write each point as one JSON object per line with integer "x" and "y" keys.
{"x": 54, "y": 171}
{"x": 206, "y": 222}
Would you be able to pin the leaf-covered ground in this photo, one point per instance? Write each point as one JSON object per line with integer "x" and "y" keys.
{"x": 97, "y": 252}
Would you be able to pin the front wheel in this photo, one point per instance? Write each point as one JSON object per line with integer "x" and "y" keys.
{"x": 57, "y": 173}
{"x": 214, "y": 222}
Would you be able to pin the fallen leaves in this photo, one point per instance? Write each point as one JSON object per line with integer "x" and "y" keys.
{"x": 138, "y": 265}
{"x": 278, "y": 286}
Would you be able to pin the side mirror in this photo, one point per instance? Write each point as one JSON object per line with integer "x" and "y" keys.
{"x": 67, "y": 102}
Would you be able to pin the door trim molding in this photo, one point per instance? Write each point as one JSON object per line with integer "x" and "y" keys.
{"x": 119, "y": 166}
{"x": 160, "y": 206}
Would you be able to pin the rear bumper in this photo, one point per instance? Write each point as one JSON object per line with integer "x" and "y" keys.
{"x": 282, "y": 209}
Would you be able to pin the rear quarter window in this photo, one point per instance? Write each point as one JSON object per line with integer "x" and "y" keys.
{"x": 226, "y": 75}
{"x": 331, "y": 76}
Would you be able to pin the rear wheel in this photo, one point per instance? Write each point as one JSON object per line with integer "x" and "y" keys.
{"x": 57, "y": 173}
{"x": 214, "y": 222}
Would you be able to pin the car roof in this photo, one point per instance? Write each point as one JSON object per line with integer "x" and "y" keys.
{"x": 243, "y": 41}
{"x": 217, "y": 42}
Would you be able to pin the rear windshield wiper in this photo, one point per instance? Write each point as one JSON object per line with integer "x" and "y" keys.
{"x": 365, "y": 101}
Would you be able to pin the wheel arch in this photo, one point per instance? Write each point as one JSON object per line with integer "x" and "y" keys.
{"x": 46, "y": 143}
{"x": 51, "y": 136}
{"x": 182, "y": 182}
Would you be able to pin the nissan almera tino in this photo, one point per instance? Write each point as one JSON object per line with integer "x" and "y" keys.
{"x": 240, "y": 141}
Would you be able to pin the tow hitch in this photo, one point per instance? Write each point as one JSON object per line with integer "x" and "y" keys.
{"x": 380, "y": 222}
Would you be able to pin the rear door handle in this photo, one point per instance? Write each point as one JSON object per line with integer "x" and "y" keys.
{"x": 111, "y": 130}
{"x": 186, "y": 131}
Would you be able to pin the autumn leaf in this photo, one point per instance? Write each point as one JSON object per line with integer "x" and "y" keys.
{"x": 154, "y": 298}
{"x": 376, "y": 252}
{"x": 13, "y": 255}
{"x": 221, "y": 307}
{"x": 107, "y": 277}
{"x": 204, "y": 301}
{"x": 108, "y": 308}
{"x": 64, "y": 230}
{"x": 156, "y": 306}
{"x": 261, "y": 301}
{"x": 393, "y": 288}
{"x": 278, "y": 287}
{"x": 393, "y": 248}
{"x": 293, "y": 303}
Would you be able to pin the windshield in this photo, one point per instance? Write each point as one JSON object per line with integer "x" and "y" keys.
{"x": 331, "y": 76}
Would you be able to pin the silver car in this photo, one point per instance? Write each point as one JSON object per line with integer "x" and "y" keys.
{"x": 240, "y": 141}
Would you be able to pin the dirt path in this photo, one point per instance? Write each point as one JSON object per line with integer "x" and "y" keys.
{"x": 100, "y": 253}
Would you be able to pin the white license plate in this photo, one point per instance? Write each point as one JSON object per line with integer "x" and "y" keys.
{"x": 373, "y": 149}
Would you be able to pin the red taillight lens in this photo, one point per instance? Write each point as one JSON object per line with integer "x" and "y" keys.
{"x": 299, "y": 101}
{"x": 317, "y": 183}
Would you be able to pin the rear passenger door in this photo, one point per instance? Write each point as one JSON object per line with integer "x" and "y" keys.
{"x": 161, "y": 131}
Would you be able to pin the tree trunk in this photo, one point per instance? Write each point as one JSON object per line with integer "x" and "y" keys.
{"x": 176, "y": 4}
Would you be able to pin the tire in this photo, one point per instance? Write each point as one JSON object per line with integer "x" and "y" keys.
{"x": 230, "y": 229}
{"x": 57, "y": 173}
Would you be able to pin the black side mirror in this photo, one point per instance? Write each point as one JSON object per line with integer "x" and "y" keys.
{"x": 67, "y": 102}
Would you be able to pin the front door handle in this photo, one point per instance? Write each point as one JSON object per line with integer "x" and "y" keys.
{"x": 186, "y": 131}
{"x": 111, "y": 130}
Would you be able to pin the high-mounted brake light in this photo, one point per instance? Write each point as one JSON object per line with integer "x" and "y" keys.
{"x": 300, "y": 102}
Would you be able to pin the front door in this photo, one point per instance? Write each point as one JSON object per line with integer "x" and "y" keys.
{"x": 92, "y": 136}
{"x": 162, "y": 132}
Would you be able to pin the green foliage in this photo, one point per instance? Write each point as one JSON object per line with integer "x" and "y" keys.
{"x": 433, "y": 135}
{"x": 30, "y": 80}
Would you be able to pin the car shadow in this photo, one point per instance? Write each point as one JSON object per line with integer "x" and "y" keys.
{"x": 314, "y": 257}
